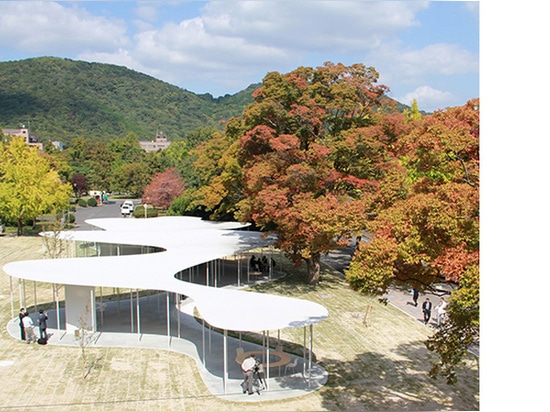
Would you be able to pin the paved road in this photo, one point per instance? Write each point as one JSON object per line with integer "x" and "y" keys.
{"x": 112, "y": 209}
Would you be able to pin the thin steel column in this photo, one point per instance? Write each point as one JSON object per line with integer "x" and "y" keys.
{"x": 35, "y": 306}
{"x": 168, "y": 315}
{"x": 57, "y": 306}
{"x": 215, "y": 270}
{"x": 21, "y": 303}
{"x": 92, "y": 305}
{"x": 267, "y": 356}
{"x": 304, "y": 358}
{"x": 203, "y": 346}
{"x": 225, "y": 374}
{"x": 138, "y": 314}
{"x": 310, "y": 352}
{"x": 11, "y": 299}
{"x": 239, "y": 271}
{"x": 179, "y": 313}
{"x": 131, "y": 311}
{"x": 101, "y": 307}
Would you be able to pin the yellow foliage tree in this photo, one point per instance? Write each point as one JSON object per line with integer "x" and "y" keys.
{"x": 29, "y": 185}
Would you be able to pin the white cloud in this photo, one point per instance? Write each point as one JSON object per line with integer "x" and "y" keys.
{"x": 437, "y": 58}
{"x": 311, "y": 25}
{"x": 234, "y": 43}
{"x": 427, "y": 98}
{"x": 412, "y": 65}
{"x": 48, "y": 28}
{"x": 147, "y": 11}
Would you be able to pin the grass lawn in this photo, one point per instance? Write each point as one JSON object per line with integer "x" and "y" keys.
{"x": 380, "y": 367}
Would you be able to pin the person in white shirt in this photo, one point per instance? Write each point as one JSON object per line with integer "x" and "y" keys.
{"x": 248, "y": 366}
{"x": 441, "y": 312}
{"x": 29, "y": 328}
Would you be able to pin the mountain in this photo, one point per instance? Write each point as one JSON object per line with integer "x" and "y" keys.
{"x": 59, "y": 99}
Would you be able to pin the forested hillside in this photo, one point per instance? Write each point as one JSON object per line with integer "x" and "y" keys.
{"x": 60, "y": 99}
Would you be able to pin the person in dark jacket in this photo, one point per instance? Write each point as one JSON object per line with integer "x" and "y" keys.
{"x": 427, "y": 309}
{"x": 42, "y": 325}
{"x": 21, "y": 325}
{"x": 415, "y": 296}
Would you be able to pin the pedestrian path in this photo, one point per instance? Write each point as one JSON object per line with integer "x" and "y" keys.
{"x": 401, "y": 298}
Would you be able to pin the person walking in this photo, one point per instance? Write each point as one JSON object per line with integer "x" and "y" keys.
{"x": 440, "y": 311}
{"x": 247, "y": 367}
{"x": 415, "y": 296}
{"x": 42, "y": 325}
{"x": 21, "y": 325}
{"x": 427, "y": 310}
{"x": 29, "y": 328}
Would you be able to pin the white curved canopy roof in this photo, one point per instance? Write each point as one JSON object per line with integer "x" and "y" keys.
{"x": 187, "y": 242}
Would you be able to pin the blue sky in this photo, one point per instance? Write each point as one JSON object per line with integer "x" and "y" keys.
{"x": 428, "y": 51}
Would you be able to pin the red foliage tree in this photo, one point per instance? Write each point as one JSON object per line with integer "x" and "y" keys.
{"x": 163, "y": 189}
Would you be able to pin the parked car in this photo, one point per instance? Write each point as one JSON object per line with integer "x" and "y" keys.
{"x": 130, "y": 205}
{"x": 125, "y": 210}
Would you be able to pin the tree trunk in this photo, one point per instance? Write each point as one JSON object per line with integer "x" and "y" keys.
{"x": 19, "y": 227}
{"x": 313, "y": 268}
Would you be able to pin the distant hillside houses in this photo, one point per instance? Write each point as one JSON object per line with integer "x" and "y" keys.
{"x": 30, "y": 140}
{"x": 160, "y": 143}
{"x": 24, "y": 132}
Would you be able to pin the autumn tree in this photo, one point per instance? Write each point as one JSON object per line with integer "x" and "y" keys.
{"x": 432, "y": 234}
{"x": 29, "y": 186}
{"x": 295, "y": 176}
{"x": 163, "y": 189}
{"x": 79, "y": 183}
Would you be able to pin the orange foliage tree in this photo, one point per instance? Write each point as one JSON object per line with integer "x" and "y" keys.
{"x": 298, "y": 147}
{"x": 432, "y": 233}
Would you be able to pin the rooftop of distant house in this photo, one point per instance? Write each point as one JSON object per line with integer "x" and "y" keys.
{"x": 161, "y": 142}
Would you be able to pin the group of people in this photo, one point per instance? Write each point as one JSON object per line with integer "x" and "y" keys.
{"x": 26, "y": 325}
{"x": 441, "y": 312}
{"x": 260, "y": 264}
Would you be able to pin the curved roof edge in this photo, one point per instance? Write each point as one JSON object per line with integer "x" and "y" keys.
{"x": 188, "y": 242}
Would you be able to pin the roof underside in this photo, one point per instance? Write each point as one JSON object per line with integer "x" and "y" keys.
{"x": 187, "y": 242}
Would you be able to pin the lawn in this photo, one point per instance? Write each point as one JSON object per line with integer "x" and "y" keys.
{"x": 380, "y": 367}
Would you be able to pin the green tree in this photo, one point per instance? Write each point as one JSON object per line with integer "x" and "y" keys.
{"x": 99, "y": 160}
{"x": 132, "y": 178}
{"x": 126, "y": 149}
{"x": 29, "y": 186}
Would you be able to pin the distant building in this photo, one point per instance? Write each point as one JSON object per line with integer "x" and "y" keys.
{"x": 160, "y": 143}
{"x": 25, "y": 133}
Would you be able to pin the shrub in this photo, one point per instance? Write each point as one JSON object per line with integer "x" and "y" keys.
{"x": 82, "y": 203}
{"x": 139, "y": 212}
{"x": 92, "y": 202}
